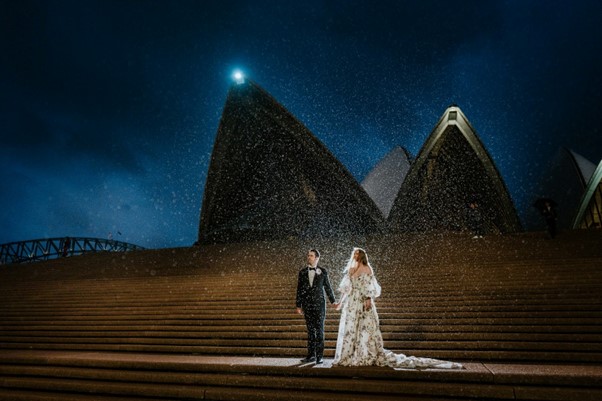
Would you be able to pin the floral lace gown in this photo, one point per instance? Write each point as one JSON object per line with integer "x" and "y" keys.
{"x": 360, "y": 342}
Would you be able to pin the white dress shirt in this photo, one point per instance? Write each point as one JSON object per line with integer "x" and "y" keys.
{"x": 312, "y": 274}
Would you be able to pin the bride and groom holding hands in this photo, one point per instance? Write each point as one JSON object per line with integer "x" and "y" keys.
{"x": 359, "y": 340}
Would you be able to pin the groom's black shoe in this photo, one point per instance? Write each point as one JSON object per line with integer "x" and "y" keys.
{"x": 308, "y": 359}
{"x": 319, "y": 361}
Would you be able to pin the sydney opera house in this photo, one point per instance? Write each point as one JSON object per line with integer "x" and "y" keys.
{"x": 270, "y": 177}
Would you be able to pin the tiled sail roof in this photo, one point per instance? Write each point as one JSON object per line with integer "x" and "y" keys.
{"x": 452, "y": 169}
{"x": 271, "y": 178}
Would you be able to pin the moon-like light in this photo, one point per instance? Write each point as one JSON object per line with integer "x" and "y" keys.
{"x": 238, "y": 76}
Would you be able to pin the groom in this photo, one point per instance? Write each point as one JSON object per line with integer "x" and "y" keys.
{"x": 313, "y": 281}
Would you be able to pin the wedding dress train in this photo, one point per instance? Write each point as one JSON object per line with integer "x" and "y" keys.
{"x": 360, "y": 342}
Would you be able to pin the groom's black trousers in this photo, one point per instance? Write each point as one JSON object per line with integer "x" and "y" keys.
{"x": 314, "y": 319}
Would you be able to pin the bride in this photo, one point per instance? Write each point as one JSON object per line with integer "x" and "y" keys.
{"x": 360, "y": 342}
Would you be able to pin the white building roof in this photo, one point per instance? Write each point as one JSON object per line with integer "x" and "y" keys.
{"x": 382, "y": 183}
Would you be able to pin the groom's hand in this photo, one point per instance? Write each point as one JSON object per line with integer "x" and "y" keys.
{"x": 299, "y": 311}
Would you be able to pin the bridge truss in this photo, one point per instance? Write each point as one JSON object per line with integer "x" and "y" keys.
{"x": 53, "y": 248}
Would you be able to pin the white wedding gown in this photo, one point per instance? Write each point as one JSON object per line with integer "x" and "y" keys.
{"x": 360, "y": 342}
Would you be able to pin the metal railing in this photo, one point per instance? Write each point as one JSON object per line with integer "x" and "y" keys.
{"x": 53, "y": 248}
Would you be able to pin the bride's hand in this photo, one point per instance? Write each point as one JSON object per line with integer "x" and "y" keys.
{"x": 367, "y": 304}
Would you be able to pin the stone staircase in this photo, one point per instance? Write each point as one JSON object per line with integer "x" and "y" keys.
{"x": 523, "y": 313}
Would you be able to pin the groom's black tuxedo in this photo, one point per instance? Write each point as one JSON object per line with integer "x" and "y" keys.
{"x": 310, "y": 298}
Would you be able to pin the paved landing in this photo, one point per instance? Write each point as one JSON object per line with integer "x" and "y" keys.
{"x": 525, "y": 373}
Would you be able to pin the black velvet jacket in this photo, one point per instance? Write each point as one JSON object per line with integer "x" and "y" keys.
{"x": 313, "y": 297}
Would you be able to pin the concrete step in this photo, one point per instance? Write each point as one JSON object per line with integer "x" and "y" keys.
{"x": 297, "y": 333}
{"x": 29, "y": 395}
{"x": 573, "y": 346}
{"x": 584, "y": 310}
{"x": 543, "y": 356}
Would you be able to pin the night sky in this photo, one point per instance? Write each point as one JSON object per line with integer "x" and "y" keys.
{"x": 109, "y": 109}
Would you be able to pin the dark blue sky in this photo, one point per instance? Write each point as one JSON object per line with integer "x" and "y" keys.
{"x": 109, "y": 109}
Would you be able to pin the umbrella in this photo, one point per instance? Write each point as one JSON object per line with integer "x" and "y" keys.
{"x": 540, "y": 203}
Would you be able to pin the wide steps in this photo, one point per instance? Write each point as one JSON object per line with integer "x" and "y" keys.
{"x": 232, "y": 378}
{"x": 84, "y": 328}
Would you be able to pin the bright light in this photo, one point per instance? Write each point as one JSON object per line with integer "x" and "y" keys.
{"x": 238, "y": 77}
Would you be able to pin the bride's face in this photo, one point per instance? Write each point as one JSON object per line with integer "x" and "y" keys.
{"x": 356, "y": 256}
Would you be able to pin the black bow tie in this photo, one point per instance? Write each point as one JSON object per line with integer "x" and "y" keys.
{"x": 312, "y": 268}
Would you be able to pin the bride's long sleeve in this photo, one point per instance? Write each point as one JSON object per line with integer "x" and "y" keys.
{"x": 371, "y": 289}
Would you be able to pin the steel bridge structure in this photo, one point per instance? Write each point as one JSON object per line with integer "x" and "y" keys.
{"x": 53, "y": 248}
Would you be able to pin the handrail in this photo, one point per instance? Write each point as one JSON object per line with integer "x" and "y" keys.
{"x": 53, "y": 248}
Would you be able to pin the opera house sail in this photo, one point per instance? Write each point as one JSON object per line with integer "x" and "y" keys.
{"x": 271, "y": 178}
{"x": 452, "y": 169}
{"x": 565, "y": 181}
{"x": 589, "y": 214}
{"x": 382, "y": 183}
